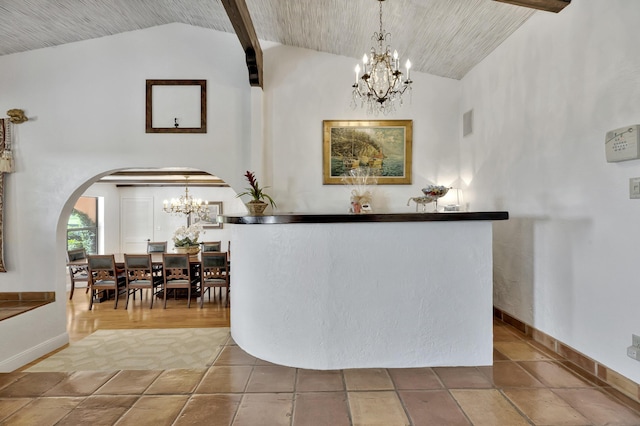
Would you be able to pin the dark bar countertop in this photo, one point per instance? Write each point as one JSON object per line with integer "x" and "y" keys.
{"x": 286, "y": 218}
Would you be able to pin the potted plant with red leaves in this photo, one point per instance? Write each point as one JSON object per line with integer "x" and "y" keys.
{"x": 259, "y": 198}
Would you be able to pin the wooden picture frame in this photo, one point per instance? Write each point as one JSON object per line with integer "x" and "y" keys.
{"x": 385, "y": 146}
{"x": 215, "y": 210}
{"x": 176, "y": 106}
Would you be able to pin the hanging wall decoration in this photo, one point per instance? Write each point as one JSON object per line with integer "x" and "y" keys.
{"x": 16, "y": 116}
{"x": 4, "y": 124}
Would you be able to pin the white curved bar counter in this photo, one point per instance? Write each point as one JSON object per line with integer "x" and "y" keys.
{"x": 315, "y": 293}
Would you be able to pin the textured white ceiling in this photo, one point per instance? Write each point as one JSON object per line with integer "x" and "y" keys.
{"x": 441, "y": 37}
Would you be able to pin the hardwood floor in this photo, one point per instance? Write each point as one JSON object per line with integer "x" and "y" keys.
{"x": 81, "y": 322}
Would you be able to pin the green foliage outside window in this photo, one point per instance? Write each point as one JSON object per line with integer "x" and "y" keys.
{"x": 82, "y": 232}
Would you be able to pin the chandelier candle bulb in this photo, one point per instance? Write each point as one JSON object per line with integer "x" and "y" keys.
{"x": 408, "y": 64}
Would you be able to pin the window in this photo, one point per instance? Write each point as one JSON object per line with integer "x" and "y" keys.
{"x": 82, "y": 227}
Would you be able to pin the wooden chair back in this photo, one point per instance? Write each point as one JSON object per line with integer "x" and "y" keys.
{"x": 207, "y": 246}
{"x": 103, "y": 275}
{"x": 214, "y": 272}
{"x": 77, "y": 272}
{"x": 176, "y": 271}
{"x": 156, "y": 246}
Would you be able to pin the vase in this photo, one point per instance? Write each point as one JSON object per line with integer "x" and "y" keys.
{"x": 256, "y": 207}
{"x": 190, "y": 250}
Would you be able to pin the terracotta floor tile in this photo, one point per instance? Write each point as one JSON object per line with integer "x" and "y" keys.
{"x": 175, "y": 382}
{"x": 504, "y": 334}
{"x": 109, "y": 401}
{"x": 499, "y": 356}
{"x": 93, "y": 416}
{"x": 263, "y": 362}
{"x": 32, "y": 384}
{"x": 80, "y": 383}
{"x": 544, "y": 407}
{"x": 209, "y": 409}
{"x": 367, "y": 379}
{"x": 271, "y": 379}
{"x": 319, "y": 380}
{"x": 414, "y": 378}
{"x": 376, "y": 408}
{"x": 7, "y": 378}
{"x": 433, "y": 407}
{"x": 99, "y": 410}
{"x": 487, "y": 407}
{"x": 43, "y": 411}
{"x": 321, "y": 409}
{"x": 520, "y": 351}
{"x": 154, "y": 410}
{"x": 554, "y": 374}
{"x": 619, "y": 396}
{"x": 598, "y": 407}
{"x": 509, "y": 374}
{"x": 462, "y": 377}
{"x": 11, "y": 405}
{"x": 225, "y": 379}
{"x": 265, "y": 409}
{"x": 129, "y": 382}
{"x": 234, "y": 355}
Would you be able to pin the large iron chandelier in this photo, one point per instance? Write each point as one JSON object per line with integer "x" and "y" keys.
{"x": 381, "y": 84}
{"x": 186, "y": 204}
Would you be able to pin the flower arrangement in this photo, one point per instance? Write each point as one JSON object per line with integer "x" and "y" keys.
{"x": 360, "y": 180}
{"x": 254, "y": 190}
{"x": 187, "y": 236}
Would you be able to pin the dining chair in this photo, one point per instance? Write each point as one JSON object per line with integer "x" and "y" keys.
{"x": 77, "y": 273}
{"x": 139, "y": 276}
{"x": 176, "y": 272}
{"x": 206, "y": 246}
{"x": 213, "y": 274}
{"x": 104, "y": 276}
{"x": 156, "y": 246}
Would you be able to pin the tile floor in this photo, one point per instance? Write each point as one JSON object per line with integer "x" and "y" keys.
{"x": 527, "y": 385}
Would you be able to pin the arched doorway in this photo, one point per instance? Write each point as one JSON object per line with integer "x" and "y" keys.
{"x": 114, "y": 189}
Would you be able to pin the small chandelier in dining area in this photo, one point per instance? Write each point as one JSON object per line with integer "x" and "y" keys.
{"x": 381, "y": 84}
{"x": 186, "y": 204}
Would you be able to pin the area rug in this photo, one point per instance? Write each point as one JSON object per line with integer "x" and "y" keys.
{"x": 153, "y": 349}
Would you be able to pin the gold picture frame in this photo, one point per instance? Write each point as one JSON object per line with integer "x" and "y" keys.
{"x": 384, "y": 146}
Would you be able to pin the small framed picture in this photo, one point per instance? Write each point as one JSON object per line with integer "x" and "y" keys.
{"x": 211, "y": 221}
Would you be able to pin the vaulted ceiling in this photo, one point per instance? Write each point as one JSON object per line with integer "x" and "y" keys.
{"x": 442, "y": 37}
{"x": 446, "y": 38}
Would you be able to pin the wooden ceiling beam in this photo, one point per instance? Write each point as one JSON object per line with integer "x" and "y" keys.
{"x": 241, "y": 20}
{"x": 547, "y": 5}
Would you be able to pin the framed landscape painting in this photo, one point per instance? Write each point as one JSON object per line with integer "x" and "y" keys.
{"x": 384, "y": 146}
{"x": 211, "y": 222}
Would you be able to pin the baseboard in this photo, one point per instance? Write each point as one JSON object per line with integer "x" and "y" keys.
{"x": 33, "y": 353}
{"x": 577, "y": 361}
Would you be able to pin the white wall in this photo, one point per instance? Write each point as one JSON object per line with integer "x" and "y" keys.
{"x": 302, "y": 88}
{"x": 566, "y": 261}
